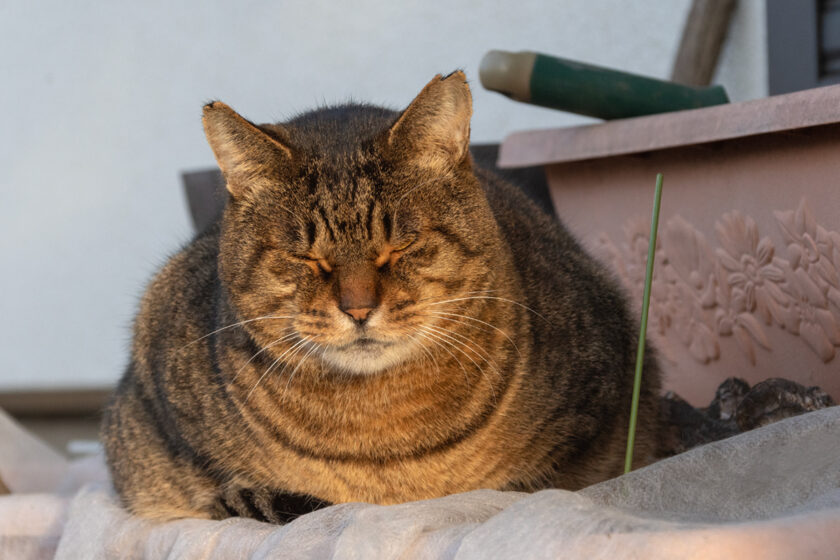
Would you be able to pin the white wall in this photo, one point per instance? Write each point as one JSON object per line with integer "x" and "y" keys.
{"x": 102, "y": 101}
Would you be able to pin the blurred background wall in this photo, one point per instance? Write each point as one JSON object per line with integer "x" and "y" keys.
{"x": 102, "y": 104}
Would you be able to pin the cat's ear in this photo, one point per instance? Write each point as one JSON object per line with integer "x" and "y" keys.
{"x": 434, "y": 131}
{"x": 248, "y": 156}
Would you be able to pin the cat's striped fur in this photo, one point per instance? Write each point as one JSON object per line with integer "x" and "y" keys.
{"x": 374, "y": 319}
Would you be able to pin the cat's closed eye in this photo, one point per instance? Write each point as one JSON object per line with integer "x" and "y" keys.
{"x": 318, "y": 264}
{"x": 405, "y": 243}
{"x": 391, "y": 253}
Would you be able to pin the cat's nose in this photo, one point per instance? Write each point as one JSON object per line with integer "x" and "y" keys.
{"x": 357, "y": 291}
{"x": 359, "y": 314}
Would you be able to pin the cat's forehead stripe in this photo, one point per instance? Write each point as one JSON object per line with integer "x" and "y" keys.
{"x": 310, "y": 232}
{"x": 326, "y": 222}
{"x": 344, "y": 223}
{"x": 369, "y": 219}
{"x": 312, "y": 179}
{"x": 386, "y": 225}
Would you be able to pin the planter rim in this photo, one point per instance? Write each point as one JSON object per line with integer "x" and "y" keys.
{"x": 780, "y": 113}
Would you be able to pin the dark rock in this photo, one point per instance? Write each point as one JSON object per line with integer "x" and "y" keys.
{"x": 735, "y": 408}
{"x": 776, "y": 399}
{"x": 727, "y": 398}
{"x": 689, "y": 427}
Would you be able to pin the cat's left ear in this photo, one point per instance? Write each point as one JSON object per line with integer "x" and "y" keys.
{"x": 248, "y": 156}
{"x": 434, "y": 131}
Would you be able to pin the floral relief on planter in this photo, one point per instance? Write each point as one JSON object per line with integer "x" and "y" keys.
{"x": 740, "y": 288}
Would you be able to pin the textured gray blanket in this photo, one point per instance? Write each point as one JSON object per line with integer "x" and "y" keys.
{"x": 770, "y": 493}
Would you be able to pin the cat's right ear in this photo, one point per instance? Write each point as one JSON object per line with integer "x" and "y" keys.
{"x": 248, "y": 156}
{"x": 434, "y": 131}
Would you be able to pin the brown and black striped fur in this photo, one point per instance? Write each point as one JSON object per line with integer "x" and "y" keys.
{"x": 374, "y": 319}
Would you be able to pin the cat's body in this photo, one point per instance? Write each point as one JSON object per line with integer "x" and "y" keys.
{"x": 423, "y": 330}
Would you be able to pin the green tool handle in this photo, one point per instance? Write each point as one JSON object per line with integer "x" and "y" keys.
{"x": 586, "y": 89}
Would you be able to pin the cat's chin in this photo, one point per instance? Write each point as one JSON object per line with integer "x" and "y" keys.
{"x": 366, "y": 359}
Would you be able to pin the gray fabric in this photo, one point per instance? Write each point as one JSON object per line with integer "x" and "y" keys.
{"x": 770, "y": 493}
{"x": 755, "y": 475}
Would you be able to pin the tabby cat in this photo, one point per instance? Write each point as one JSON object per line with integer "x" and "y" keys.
{"x": 375, "y": 318}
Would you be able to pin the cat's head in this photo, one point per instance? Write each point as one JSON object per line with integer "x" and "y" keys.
{"x": 353, "y": 228}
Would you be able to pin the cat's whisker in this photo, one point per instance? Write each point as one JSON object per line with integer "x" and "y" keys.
{"x": 269, "y": 368}
{"x": 467, "y": 343}
{"x": 478, "y": 321}
{"x": 483, "y": 354}
{"x": 435, "y": 315}
{"x": 297, "y": 349}
{"x": 439, "y": 341}
{"x": 426, "y": 351}
{"x": 315, "y": 346}
{"x": 424, "y": 300}
{"x": 480, "y": 369}
{"x": 305, "y": 340}
{"x": 495, "y": 298}
{"x": 296, "y": 334}
{"x": 240, "y": 323}
{"x": 264, "y": 348}
{"x": 456, "y": 344}
{"x": 286, "y": 210}
{"x": 435, "y": 343}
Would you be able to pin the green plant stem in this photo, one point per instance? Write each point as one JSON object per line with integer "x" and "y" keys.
{"x": 640, "y": 353}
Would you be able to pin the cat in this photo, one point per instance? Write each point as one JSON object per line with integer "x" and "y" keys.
{"x": 375, "y": 318}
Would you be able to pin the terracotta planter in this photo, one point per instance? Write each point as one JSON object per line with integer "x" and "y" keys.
{"x": 747, "y": 271}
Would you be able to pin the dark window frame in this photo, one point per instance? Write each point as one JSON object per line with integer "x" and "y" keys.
{"x": 803, "y": 44}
